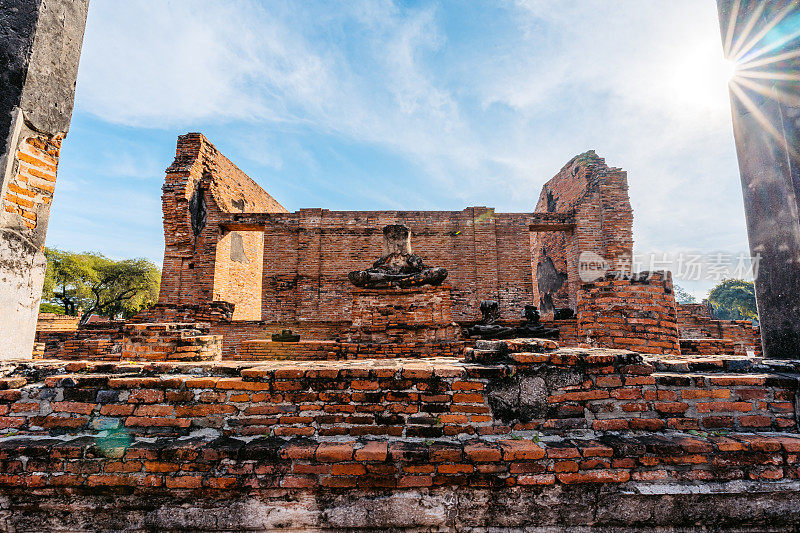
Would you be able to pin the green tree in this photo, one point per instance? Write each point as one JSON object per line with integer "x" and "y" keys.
{"x": 734, "y": 299}
{"x": 682, "y": 296}
{"x": 91, "y": 283}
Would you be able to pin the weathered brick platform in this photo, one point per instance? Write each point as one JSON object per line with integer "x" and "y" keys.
{"x": 533, "y": 436}
{"x": 305, "y": 350}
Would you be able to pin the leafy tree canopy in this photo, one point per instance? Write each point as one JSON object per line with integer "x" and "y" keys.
{"x": 734, "y": 299}
{"x": 682, "y": 296}
{"x": 94, "y": 284}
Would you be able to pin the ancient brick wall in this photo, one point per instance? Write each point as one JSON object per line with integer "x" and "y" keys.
{"x": 101, "y": 340}
{"x": 711, "y": 347}
{"x": 739, "y": 482}
{"x": 33, "y": 183}
{"x": 170, "y": 342}
{"x": 701, "y": 310}
{"x": 635, "y": 312}
{"x": 116, "y": 340}
{"x": 206, "y": 312}
{"x": 695, "y": 322}
{"x": 176, "y": 436}
{"x": 567, "y": 331}
{"x": 308, "y": 254}
{"x": 379, "y": 309}
{"x": 200, "y": 185}
{"x": 596, "y": 196}
{"x": 435, "y": 399}
{"x": 321, "y": 350}
{"x": 55, "y": 322}
{"x": 564, "y": 389}
{"x": 413, "y": 315}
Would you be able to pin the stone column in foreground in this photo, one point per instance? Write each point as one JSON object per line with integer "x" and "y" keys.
{"x": 40, "y": 45}
{"x": 761, "y": 36}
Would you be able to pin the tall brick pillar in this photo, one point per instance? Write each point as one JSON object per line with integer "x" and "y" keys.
{"x": 766, "y": 124}
{"x": 40, "y": 44}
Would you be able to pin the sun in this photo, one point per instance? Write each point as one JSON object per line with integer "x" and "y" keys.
{"x": 730, "y": 68}
{"x": 697, "y": 78}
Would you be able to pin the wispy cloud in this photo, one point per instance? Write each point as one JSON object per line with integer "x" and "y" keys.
{"x": 473, "y": 103}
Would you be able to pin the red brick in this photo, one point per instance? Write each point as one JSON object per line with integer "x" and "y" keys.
{"x": 73, "y": 407}
{"x": 706, "y": 407}
{"x": 482, "y": 453}
{"x": 349, "y": 469}
{"x": 334, "y": 453}
{"x": 670, "y": 407}
{"x": 414, "y": 481}
{"x": 758, "y": 421}
{"x": 610, "y": 425}
{"x": 594, "y": 476}
{"x": 183, "y": 482}
{"x": 516, "y": 450}
{"x": 536, "y": 479}
{"x": 372, "y": 451}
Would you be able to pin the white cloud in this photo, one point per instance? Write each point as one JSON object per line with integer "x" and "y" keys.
{"x": 487, "y": 121}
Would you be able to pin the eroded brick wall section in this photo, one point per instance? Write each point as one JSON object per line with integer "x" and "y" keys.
{"x": 210, "y": 312}
{"x": 116, "y": 341}
{"x": 55, "y": 322}
{"x": 567, "y": 331}
{"x": 634, "y": 312}
{"x": 190, "y": 257}
{"x": 711, "y": 347}
{"x": 402, "y": 316}
{"x": 696, "y": 323}
{"x": 33, "y": 180}
{"x": 321, "y": 350}
{"x": 170, "y": 342}
{"x": 222, "y": 467}
{"x": 346, "y": 424}
{"x": 90, "y": 341}
{"x": 378, "y": 309}
{"x": 177, "y": 435}
{"x": 597, "y": 197}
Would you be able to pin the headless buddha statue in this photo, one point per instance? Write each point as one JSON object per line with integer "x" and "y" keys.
{"x": 488, "y": 328}
{"x": 397, "y": 267}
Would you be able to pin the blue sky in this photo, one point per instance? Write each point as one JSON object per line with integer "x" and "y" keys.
{"x": 403, "y": 105}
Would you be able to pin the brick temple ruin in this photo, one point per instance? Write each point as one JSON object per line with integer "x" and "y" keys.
{"x": 390, "y": 404}
{"x": 238, "y": 265}
{"x": 383, "y": 370}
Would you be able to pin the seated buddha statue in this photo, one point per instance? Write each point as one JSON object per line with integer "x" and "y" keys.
{"x": 398, "y": 266}
{"x": 532, "y": 327}
{"x": 488, "y": 328}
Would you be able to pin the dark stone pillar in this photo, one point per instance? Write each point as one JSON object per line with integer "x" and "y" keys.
{"x": 40, "y": 44}
{"x": 766, "y": 125}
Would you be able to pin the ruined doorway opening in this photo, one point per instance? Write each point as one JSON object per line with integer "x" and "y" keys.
{"x": 238, "y": 270}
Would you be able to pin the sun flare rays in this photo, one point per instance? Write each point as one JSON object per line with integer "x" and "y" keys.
{"x": 766, "y": 60}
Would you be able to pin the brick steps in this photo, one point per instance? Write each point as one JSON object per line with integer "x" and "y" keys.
{"x": 434, "y": 398}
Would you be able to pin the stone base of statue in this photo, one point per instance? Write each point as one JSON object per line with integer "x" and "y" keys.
{"x": 414, "y": 315}
{"x": 400, "y": 305}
